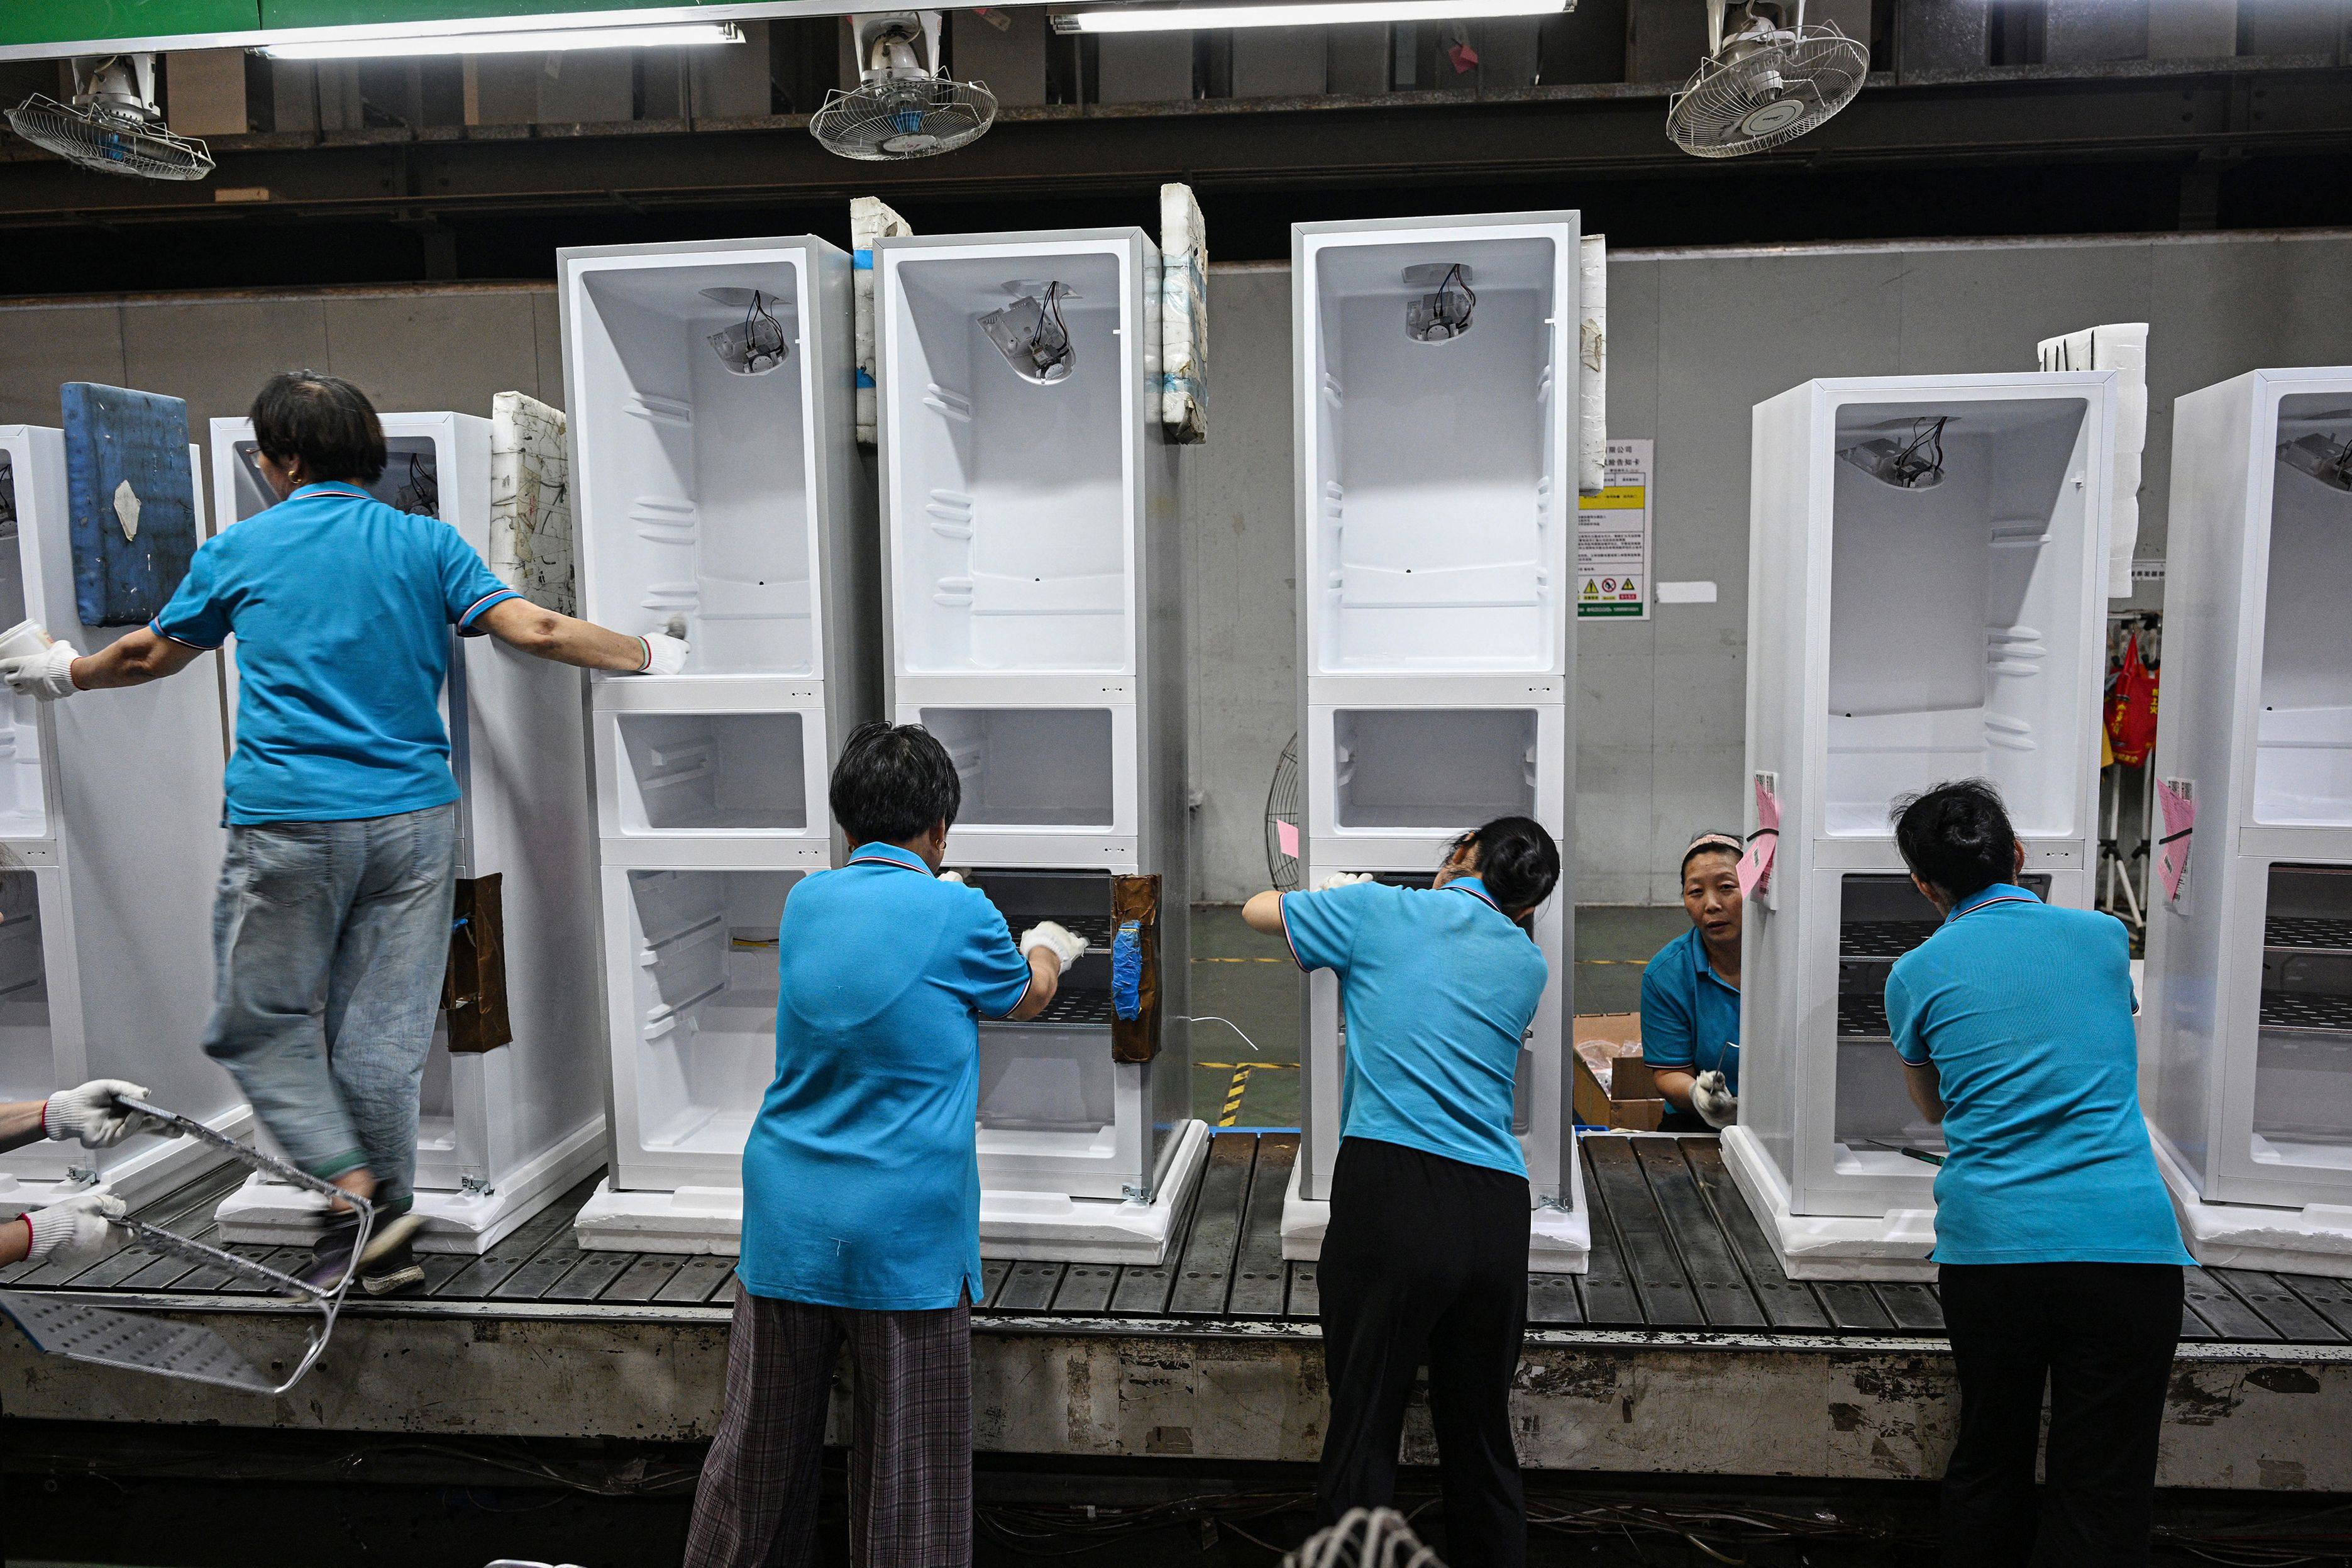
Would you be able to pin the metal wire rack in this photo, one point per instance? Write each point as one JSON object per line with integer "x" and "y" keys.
{"x": 1076, "y": 1008}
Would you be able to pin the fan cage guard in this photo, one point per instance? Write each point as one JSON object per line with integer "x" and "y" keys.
{"x": 1282, "y": 805}
{"x": 885, "y": 121}
{"x": 1820, "y": 63}
{"x": 109, "y": 143}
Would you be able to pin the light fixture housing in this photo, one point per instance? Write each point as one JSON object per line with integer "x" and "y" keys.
{"x": 507, "y": 39}
{"x": 1159, "y": 18}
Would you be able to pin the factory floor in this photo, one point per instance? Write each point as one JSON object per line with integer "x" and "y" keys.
{"x": 1250, "y": 980}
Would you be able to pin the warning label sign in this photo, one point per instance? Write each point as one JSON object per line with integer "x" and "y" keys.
{"x": 1613, "y": 539}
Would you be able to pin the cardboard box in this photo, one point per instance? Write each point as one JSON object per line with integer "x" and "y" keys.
{"x": 1612, "y": 1086}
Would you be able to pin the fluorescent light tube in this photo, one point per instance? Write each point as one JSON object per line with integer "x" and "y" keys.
{"x": 507, "y": 41}
{"x": 1300, "y": 13}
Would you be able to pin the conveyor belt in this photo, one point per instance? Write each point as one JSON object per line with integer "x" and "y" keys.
{"x": 2307, "y": 933}
{"x": 1863, "y": 1017}
{"x": 1882, "y": 938}
{"x": 2306, "y": 1011}
{"x": 1674, "y": 1246}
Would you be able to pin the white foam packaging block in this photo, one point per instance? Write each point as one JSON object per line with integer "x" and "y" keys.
{"x": 1592, "y": 376}
{"x": 870, "y": 219}
{"x": 2123, "y": 348}
{"x": 1183, "y": 316}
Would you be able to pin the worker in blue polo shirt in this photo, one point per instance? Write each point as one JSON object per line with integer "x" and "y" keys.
{"x": 1425, "y": 1257}
{"x": 331, "y": 930}
{"x": 861, "y": 1182}
{"x": 1690, "y": 995}
{"x": 2058, "y": 1258}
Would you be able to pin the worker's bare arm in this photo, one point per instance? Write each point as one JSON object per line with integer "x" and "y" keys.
{"x": 1674, "y": 1084}
{"x": 1044, "y": 979}
{"x": 546, "y": 634}
{"x": 133, "y": 659}
{"x": 1263, "y": 913}
{"x": 1926, "y": 1091}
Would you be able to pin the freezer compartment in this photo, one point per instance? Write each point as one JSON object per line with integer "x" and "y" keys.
{"x": 1956, "y": 646}
{"x": 1440, "y": 519}
{"x": 1054, "y": 1073}
{"x": 1881, "y": 916}
{"x": 1012, "y": 499}
{"x": 28, "y": 1068}
{"x": 2302, "y": 1073}
{"x": 1424, "y": 770}
{"x": 696, "y": 473}
{"x": 689, "y": 772}
{"x": 23, "y": 808}
{"x": 2303, "y": 757}
{"x": 701, "y": 950}
{"x": 1031, "y": 767}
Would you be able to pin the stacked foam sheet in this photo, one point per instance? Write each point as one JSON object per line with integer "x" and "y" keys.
{"x": 869, "y": 219}
{"x": 2122, "y": 348}
{"x": 1183, "y": 316}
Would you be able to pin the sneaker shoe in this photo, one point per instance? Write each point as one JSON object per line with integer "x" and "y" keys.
{"x": 393, "y": 1266}
{"x": 331, "y": 1255}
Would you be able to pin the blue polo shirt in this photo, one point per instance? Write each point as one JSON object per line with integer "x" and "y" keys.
{"x": 861, "y": 1177}
{"x": 342, "y": 608}
{"x": 1439, "y": 987}
{"x": 2026, "y": 1012}
{"x": 1690, "y": 1015}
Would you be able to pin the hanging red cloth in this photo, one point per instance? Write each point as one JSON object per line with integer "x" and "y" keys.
{"x": 2131, "y": 707}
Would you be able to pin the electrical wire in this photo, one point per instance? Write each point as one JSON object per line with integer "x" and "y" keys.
{"x": 1228, "y": 1023}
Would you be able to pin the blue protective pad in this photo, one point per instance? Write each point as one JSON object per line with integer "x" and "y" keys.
{"x": 131, "y": 547}
{"x": 1127, "y": 971}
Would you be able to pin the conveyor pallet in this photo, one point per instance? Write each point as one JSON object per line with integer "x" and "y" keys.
{"x": 1674, "y": 1247}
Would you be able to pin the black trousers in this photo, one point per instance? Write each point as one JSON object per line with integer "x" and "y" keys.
{"x": 2101, "y": 1335}
{"x": 1426, "y": 1261}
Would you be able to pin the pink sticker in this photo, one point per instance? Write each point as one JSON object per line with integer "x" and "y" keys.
{"x": 1756, "y": 866}
{"x": 1285, "y": 834}
{"x": 2179, "y": 799}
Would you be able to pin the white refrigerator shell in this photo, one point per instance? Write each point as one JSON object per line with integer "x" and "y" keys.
{"x": 1898, "y": 638}
{"x": 2252, "y": 1113}
{"x": 739, "y": 503}
{"x": 1437, "y": 510}
{"x": 111, "y": 838}
{"x": 1032, "y": 585}
{"x": 504, "y": 1133}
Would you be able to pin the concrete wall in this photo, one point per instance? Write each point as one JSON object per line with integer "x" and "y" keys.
{"x": 1696, "y": 338}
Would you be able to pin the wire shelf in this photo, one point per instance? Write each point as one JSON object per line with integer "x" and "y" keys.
{"x": 1083, "y": 1009}
{"x": 2307, "y": 933}
{"x": 2307, "y": 1012}
{"x": 1863, "y": 1017}
{"x": 1882, "y": 938}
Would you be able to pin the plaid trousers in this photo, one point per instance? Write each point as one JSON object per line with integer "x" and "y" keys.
{"x": 909, "y": 1445}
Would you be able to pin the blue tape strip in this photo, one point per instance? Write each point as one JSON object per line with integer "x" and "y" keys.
{"x": 864, "y": 378}
{"x": 1127, "y": 971}
{"x": 862, "y": 260}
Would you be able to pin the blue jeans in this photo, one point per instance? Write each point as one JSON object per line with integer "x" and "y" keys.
{"x": 330, "y": 940}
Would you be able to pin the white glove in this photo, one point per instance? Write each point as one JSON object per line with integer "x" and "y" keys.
{"x": 665, "y": 655}
{"x": 47, "y": 675}
{"x": 1062, "y": 943}
{"x": 90, "y": 1114}
{"x": 75, "y": 1230}
{"x": 953, "y": 875}
{"x": 1342, "y": 879}
{"x": 1712, "y": 1098}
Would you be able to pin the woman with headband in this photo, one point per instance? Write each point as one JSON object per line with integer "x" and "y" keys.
{"x": 1690, "y": 995}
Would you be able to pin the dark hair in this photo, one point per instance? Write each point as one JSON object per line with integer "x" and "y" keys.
{"x": 322, "y": 419}
{"x": 1518, "y": 860}
{"x": 1956, "y": 837}
{"x": 892, "y": 783}
{"x": 1712, "y": 842}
